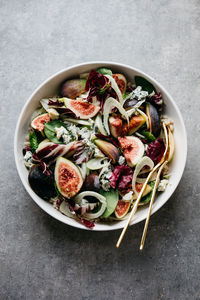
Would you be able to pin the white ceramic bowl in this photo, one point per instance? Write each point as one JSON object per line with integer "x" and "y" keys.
{"x": 49, "y": 88}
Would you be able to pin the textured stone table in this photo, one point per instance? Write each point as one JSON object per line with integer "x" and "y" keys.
{"x": 41, "y": 258}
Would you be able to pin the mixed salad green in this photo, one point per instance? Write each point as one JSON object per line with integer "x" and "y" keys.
{"x": 90, "y": 148}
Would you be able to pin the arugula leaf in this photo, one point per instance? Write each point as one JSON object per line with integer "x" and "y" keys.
{"x": 147, "y": 198}
{"x": 112, "y": 198}
{"x": 145, "y": 84}
{"x": 50, "y": 133}
{"x": 33, "y": 140}
{"x": 148, "y": 135}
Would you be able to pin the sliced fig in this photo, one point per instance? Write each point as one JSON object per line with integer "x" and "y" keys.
{"x": 92, "y": 183}
{"x": 121, "y": 82}
{"x": 133, "y": 149}
{"x": 108, "y": 149}
{"x": 39, "y": 122}
{"x": 68, "y": 177}
{"x": 154, "y": 119}
{"x": 129, "y": 103}
{"x": 115, "y": 126}
{"x": 134, "y": 124}
{"x": 81, "y": 109}
{"x": 73, "y": 88}
{"x": 41, "y": 184}
{"x": 122, "y": 208}
{"x": 139, "y": 186}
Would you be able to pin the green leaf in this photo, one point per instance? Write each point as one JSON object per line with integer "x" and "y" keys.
{"x": 125, "y": 95}
{"x": 145, "y": 84}
{"x": 112, "y": 198}
{"x": 148, "y": 135}
{"x": 147, "y": 198}
{"x": 33, "y": 140}
{"x": 50, "y": 133}
{"x": 104, "y": 71}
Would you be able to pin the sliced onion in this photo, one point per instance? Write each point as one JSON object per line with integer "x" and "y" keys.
{"x": 99, "y": 124}
{"x": 101, "y": 199}
{"x": 83, "y": 170}
{"x": 145, "y": 161}
{"x": 134, "y": 108}
{"x": 77, "y": 121}
{"x": 109, "y": 104}
{"x": 64, "y": 208}
{"x": 96, "y": 163}
{"x": 115, "y": 88}
{"x": 142, "y": 180}
{"x": 145, "y": 116}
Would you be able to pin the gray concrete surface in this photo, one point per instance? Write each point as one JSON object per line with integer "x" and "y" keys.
{"x": 43, "y": 259}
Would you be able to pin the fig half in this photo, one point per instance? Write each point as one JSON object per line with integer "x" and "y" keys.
{"x": 41, "y": 184}
{"x": 154, "y": 119}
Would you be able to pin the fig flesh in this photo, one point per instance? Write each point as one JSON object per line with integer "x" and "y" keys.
{"x": 121, "y": 82}
{"x": 133, "y": 149}
{"x": 122, "y": 208}
{"x": 68, "y": 177}
{"x": 115, "y": 126}
{"x": 39, "y": 122}
{"x": 134, "y": 124}
{"x": 81, "y": 109}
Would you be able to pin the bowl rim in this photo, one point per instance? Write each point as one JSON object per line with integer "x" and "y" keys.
{"x": 151, "y": 79}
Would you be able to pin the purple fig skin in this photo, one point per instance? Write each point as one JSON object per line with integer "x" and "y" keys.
{"x": 92, "y": 183}
{"x": 41, "y": 184}
{"x": 129, "y": 103}
{"x": 108, "y": 149}
{"x": 154, "y": 119}
{"x": 73, "y": 88}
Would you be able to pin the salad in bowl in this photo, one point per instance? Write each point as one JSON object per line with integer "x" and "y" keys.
{"x": 90, "y": 148}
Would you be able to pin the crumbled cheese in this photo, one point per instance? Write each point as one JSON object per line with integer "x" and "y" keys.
{"x": 98, "y": 153}
{"x": 128, "y": 196}
{"x": 121, "y": 160}
{"x": 162, "y": 185}
{"x": 60, "y": 131}
{"x": 84, "y": 133}
{"x": 104, "y": 175}
{"x": 28, "y": 159}
{"x": 105, "y": 184}
{"x": 138, "y": 94}
{"x": 73, "y": 131}
{"x": 66, "y": 138}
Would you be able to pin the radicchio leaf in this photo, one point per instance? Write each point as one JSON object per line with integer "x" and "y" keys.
{"x": 55, "y": 103}
{"x": 85, "y": 222}
{"x": 25, "y": 149}
{"x": 156, "y": 150}
{"x": 81, "y": 154}
{"x": 98, "y": 87}
{"x": 157, "y": 101}
{"x": 121, "y": 177}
